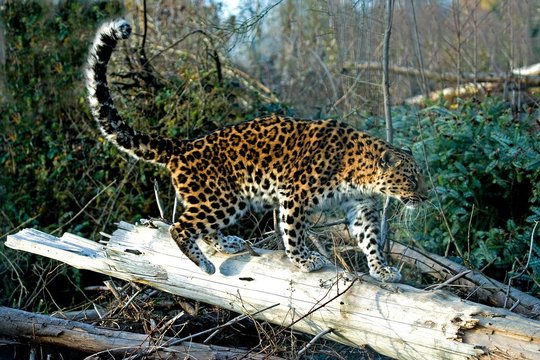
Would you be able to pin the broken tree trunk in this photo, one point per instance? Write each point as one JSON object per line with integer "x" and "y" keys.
{"x": 394, "y": 319}
{"x": 470, "y": 282}
{"x": 48, "y": 330}
{"x": 488, "y": 290}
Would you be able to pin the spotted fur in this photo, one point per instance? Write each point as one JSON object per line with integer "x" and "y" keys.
{"x": 294, "y": 165}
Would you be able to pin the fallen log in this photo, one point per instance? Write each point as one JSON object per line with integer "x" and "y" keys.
{"x": 394, "y": 319}
{"x": 484, "y": 288}
{"x": 527, "y": 76}
{"x": 451, "y": 93}
{"x": 471, "y": 84}
{"x": 48, "y": 330}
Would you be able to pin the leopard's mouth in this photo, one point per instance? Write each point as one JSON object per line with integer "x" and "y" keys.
{"x": 413, "y": 202}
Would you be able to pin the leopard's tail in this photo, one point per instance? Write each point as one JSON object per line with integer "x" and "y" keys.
{"x": 147, "y": 147}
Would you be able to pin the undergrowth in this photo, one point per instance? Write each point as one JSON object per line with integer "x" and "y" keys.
{"x": 482, "y": 161}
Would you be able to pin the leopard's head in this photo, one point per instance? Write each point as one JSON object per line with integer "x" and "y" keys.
{"x": 399, "y": 176}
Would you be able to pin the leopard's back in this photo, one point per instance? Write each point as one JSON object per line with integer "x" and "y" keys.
{"x": 266, "y": 156}
{"x": 269, "y": 155}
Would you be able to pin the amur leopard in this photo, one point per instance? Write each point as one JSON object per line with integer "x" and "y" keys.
{"x": 291, "y": 164}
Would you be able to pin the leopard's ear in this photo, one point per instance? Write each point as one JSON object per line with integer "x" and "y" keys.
{"x": 388, "y": 159}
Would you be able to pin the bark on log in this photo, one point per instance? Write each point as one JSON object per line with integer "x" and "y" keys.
{"x": 394, "y": 319}
{"x": 48, "y": 330}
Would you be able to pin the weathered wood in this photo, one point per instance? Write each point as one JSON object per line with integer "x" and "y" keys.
{"x": 485, "y": 289}
{"x": 48, "y": 330}
{"x": 451, "y": 93}
{"x": 394, "y": 319}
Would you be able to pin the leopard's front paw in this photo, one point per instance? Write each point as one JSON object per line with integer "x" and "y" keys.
{"x": 315, "y": 261}
{"x": 386, "y": 274}
{"x": 207, "y": 266}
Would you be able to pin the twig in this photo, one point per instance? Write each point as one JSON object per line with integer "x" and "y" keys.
{"x": 451, "y": 280}
{"x": 439, "y": 202}
{"x": 524, "y": 267}
{"x": 250, "y": 22}
{"x": 175, "y": 207}
{"x": 112, "y": 200}
{"x": 419, "y": 51}
{"x": 384, "y": 224}
{"x": 387, "y": 109}
{"x": 131, "y": 298}
{"x": 145, "y": 29}
{"x": 469, "y": 234}
{"x": 330, "y": 224}
{"x": 515, "y": 305}
{"x": 327, "y": 73}
{"x": 228, "y": 323}
{"x": 84, "y": 207}
{"x": 110, "y": 285}
{"x": 170, "y": 322}
{"x": 144, "y": 353}
{"x": 18, "y": 277}
{"x": 385, "y": 80}
{"x": 24, "y": 223}
{"x": 316, "y": 308}
{"x": 314, "y": 340}
{"x": 198, "y": 31}
{"x": 158, "y": 200}
{"x": 217, "y": 61}
{"x": 320, "y": 248}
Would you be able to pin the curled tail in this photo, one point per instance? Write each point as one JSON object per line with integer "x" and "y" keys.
{"x": 147, "y": 147}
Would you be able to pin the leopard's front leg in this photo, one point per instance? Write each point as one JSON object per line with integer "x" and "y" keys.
{"x": 364, "y": 226}
{"x": 292, "y": 226}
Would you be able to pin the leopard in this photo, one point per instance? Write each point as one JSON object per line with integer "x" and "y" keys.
{"x": 293, "y": 165}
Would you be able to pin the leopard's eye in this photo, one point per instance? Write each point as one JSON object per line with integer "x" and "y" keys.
{"x": 413, "y": 182}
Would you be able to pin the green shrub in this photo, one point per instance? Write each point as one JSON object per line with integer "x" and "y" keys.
{"x": 54, "y": 165}
{"x": 484, "y": 164}
{"x": 46, "y": 157}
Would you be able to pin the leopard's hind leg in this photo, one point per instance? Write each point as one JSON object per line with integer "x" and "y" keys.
{"x": 199, "y": 221}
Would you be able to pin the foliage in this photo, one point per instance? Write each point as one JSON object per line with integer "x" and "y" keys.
{"x": 56, "y": 173}
{"x": 483, "y": 162}
{"x": 48, "y": 160}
